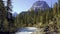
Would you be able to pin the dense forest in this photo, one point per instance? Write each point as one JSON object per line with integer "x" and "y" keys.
{"x": 39, "y": 19}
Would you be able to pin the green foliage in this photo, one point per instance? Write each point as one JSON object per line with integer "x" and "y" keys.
{"x": 32, "y": 17}
{"x": 40, "y": 19}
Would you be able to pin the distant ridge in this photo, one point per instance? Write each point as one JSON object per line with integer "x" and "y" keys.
{"x": 14, "y": 14}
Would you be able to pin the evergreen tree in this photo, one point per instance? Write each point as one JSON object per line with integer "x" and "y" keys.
{"x": 59, "y": 5}
{"x": 55, "y": 9}
{"x": 2, "y": 14}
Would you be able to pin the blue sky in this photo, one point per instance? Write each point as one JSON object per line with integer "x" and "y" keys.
{"x": 24, "y": 5}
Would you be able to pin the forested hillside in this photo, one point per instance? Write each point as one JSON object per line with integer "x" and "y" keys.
{"x": 40, "y": 18}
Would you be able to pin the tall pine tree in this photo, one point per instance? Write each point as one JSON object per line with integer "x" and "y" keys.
{"x": 2, "y": 15}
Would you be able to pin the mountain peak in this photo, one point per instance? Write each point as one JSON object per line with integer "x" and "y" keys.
{"x": 14, "y": 14}
{"x": 40, "y": 5}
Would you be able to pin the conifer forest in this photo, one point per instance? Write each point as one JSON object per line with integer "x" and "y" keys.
{"x": 48, "y": 18}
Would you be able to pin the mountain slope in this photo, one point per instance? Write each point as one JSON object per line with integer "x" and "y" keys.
{"x": 14, "y": 14}
{"x": 42, "y": 5}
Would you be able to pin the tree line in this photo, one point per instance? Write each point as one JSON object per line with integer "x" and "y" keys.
{"x": 39, "y": 19}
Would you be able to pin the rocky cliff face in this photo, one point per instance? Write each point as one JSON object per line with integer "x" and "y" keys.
{"x": 42, "y": 5}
